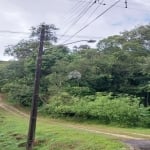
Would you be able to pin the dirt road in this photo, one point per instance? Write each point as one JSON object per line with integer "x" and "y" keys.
{"x": 139, "y": 144}
{"x": 10, "y": 108}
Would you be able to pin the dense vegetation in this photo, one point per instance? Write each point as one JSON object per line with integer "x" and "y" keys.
{"x": 107, "y": 83}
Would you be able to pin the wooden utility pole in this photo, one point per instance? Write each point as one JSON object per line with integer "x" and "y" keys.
{"x": 33, "y": 115}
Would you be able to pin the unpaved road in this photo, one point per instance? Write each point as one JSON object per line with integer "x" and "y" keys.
{"x": 134, "y": 143}
{"x": 139, "y": 144}
{"x": 11, "y": 109}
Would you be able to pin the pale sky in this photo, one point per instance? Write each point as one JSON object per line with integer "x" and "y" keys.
{"x": 20, "y": 15}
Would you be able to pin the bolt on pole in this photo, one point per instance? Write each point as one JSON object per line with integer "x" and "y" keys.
{"x": 33, "y": 114}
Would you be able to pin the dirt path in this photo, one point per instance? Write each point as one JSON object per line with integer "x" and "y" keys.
{"x": 11, "y": 109}
{"x": 140, "y": 142}
{"x": 134, "y": 143}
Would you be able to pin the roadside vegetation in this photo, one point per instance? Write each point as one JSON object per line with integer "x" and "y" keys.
{"x": 104, "y": 109}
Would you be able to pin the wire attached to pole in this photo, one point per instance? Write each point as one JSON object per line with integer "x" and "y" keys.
{"x": 101, "y": 14}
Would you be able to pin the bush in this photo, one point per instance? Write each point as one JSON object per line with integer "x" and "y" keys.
{"x": 79, "y": 91}
{"x": 19, "y": 93}
{"x": 144, "y": 117}
{"x": 59, "y": 105}
{"x": 114, "y": 111}
{"x": 123, "y": 111}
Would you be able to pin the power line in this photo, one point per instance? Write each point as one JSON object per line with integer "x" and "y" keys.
{"x": 84, "y": 36}
{"x": 79, "y": 17}
{"x": 75, "y": 6}
{"x": 119, "y": 6}
{"x": 92, "y": 21}
{"x": 93, "y": 12}
{"x": 13, "y": 32}
{"x": 131, "y": 8}
{"x": 98, "y": 1}
{"x": 70, "y": 20}
{"x": 74, "y": 15}
{"x": 58, "y": 35}
{"x": 73, "y": 12}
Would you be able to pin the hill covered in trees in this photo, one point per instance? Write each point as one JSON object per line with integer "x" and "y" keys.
{"x": 85, "y": 82}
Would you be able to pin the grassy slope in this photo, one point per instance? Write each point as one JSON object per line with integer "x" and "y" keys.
{"x": 50, "y": 136}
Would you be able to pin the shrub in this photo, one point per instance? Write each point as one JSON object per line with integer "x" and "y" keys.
{"x": 123, "y": 111}
{"x": 60, "y": 105}
{"x": 116, "y": 110}
{"x": 144, "y": 117}
{"x": 79, "y": 91}
{"x": 20, "y": 94}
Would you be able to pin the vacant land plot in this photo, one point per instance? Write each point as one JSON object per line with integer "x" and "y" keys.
{"x": 50, "y": 136}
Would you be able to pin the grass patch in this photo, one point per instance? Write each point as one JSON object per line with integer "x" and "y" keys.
{"x": 112, "y": 128}
{"x": 50, "y": 136}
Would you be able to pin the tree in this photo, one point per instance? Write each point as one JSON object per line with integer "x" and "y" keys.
{"x": 22, "y": 70}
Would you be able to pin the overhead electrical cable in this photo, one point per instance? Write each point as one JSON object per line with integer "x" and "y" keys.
{"x": 13, "y": 32}
{"x": 93, "y": 12}
{"x": 119, "y": 6}
{"x": 92, "y": 21}
{"x": 78, "y": 18}
{"x": 75, "y": 6}
{"x": 2, "y": 32}
{"x": 74, "y": 13}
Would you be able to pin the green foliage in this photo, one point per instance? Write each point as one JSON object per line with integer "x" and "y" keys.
{"x": 21, "y": 94}
{"x": 59, "y": 104}
{"x": 79, "y": 91}
{"x": 121, "y": 110}
{"x": 23, "y": 49}
{"x": 145, "y": 117}
{"x": 49, "y": 32}
{"x": 120, "y": 65}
